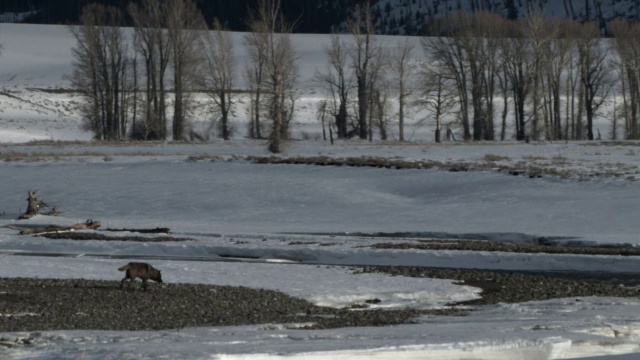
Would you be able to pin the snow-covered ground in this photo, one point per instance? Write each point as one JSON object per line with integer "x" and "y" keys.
{"x": 287, "y": 227}
{"x": 268, "y": 213}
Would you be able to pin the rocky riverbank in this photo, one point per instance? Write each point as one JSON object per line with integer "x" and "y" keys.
{"x": 29, "y": 304}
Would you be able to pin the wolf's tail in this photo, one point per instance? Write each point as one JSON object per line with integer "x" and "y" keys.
{"x": 123, "y": 268}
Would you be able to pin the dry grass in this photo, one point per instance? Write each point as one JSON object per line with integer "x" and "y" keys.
{"x": 535, "y": 158}
{"x": 559, "y": 160}
{"x": 203, "y": 157}
{"x": 14, "y": 156}
{"x": 632, "y": 143}
{"x": 58, "y": 143}
{"x": 54, "y": 91}
{"x": 547, "y": 164}
{"x": 495, "y": 158}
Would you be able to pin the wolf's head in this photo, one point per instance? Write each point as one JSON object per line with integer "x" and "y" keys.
{"x": 158, "y": 277}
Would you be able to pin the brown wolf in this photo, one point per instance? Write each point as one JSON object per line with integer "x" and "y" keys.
{"x": 143, "y": 271}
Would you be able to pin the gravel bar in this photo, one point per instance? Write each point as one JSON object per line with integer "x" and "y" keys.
{"x": 516, "y": 287}
{"x": 511, "y": 247}
{"x": 28, "y": 304}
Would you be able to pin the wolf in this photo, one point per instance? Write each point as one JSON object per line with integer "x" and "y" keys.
{"x": 143, "y": 271}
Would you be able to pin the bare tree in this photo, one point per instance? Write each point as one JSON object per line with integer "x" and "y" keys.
{"x": 321, "y": 115}
{"x": 537, "y": 36}
{"x": 557, "y": 54}
{"x": 365, "y": 51}
{"x": 338, "y": 83}
{"x": 452, "y": 57}
{"x": 184, "y": 25}
{"x": 570, "y": 31}
{"x": 217, "y": 79}
{"x": 255, "y": 42}
{"x": 502, "y": 76}
{"x": 627, "y": 47}
{"x": 519, "y": 74}
{"x": 493, "y": 29}
{"x": 378, "y": 95}
{"x": 403, "y": 69}
{"x": 467, "y": 59}
{"x": 437, "y": 96}
{"x": 476, "y": 36}
{"x": 280, "y": 69}
{"x": 100, "y": 71}
{"x": 134, "y": 86}
{"x": 380, "y": 110}
{"x": 150, "y": 19}
{"x": 594, "y": 73}
{"x": 1, "y": 48}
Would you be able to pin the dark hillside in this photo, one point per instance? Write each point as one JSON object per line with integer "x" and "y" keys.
{"x": 310, "y": 16}
{"x": 321, "y": 16}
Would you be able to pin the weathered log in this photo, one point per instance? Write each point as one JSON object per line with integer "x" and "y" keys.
{"x": 88, "y": 225}
{"x": 53, "y": 212}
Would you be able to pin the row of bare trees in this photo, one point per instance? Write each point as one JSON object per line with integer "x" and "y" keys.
{"x": 125, "y": 80}
{"x": 100, "y": 71}
{"x": 129, "y": 79}
{"x": 627, "y": 65}
{"x": 272, "y": 73}
{"x": 556, "y": 75}
{"x": 357, "y": 62}
{"x": 535, "y": 78}
{"x": 489, "y": 77}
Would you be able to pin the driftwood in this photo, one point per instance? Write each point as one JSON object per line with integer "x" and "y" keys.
{"x": 53, "y": 212}
{"x": 157, "y": 230}
{"x": 34, "y": 204}
{"x": 99, "y": 236}
{"x": 88, "y": 225}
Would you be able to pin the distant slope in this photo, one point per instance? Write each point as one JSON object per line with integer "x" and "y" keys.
{"x": 310, "y": 16}
{"x": 411, "y": 16}
{"x": 321, "y": 16}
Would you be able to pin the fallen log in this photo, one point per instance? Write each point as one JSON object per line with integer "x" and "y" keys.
{"x": 53, "y": 212}
{"x": 88, "y": 225}
{"x": 157, "y": 230}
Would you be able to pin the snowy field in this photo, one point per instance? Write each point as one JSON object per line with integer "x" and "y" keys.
{"x": 291, "y": 228}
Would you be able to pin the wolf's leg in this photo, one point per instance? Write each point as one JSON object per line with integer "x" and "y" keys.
{"x": 126, "y": 276}
{"x": 144, "y": 284}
